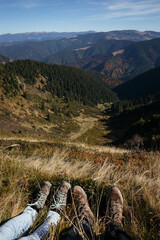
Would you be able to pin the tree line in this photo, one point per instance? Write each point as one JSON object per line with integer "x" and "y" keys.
{"x": 67, "y": 82}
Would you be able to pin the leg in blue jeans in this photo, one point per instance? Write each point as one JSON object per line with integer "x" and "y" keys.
{"x": 19, "y": 225}
{"x": 41, "y": 233}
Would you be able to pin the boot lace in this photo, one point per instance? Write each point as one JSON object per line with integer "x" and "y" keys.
{"x": 59, "y": 201}
{"x": 40, "y": 199}
{"x": 115, "y": 210}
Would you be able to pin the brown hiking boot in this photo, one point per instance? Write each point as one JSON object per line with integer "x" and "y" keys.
{"x": 116, "y": 206}
{"x": 60, "y": 198}
{"x": 83, "y": 209}
{"x": 42, "y": 196}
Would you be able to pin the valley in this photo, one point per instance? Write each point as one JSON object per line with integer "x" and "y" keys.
{"x": 95, "y": 123}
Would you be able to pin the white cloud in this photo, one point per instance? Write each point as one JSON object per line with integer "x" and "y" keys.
{"x": 125, "y": 8}
{"x": 133, "y": 5}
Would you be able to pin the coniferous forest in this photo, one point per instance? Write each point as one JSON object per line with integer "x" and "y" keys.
{"x": 67, "y": 82}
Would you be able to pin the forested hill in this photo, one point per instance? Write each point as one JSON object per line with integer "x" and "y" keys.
{"x": 141, "y": 86}
{"x": 67, "y": 82}
{"x": 130, "y": 62}
{"x": 4, "y": 59}
{"x": 69, "y": 56}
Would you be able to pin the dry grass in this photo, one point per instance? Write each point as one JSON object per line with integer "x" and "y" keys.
{"x": 12, "y": 183}
{"x": 139, "y": 182}
{"x": 101, "y": 149}
{"x": 85, "y": 124}
{"x": 83, "y": 146}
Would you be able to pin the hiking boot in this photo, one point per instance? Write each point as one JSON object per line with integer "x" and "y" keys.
{"x": 83, "y": 209}
{"x": 116, "y": 206}
{"x": 42, "y": 196}
{"x": 60, "y": 198}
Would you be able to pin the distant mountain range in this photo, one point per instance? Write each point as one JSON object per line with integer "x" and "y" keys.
{"x": 36, "y": 36}
{"x": 131, "y": 35}
{"x": 43, "y": 49}
{"x": 118, "y": 55}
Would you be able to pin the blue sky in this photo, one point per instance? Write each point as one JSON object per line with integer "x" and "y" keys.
{"x": 78, "y": 15}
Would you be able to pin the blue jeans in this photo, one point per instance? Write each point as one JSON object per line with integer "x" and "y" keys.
{"x": 16, "y": 227}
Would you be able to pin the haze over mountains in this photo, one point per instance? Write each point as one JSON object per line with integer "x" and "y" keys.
{"x": 39, "y": 36}
{"x": 36, "y": 36}
{"x": 118, "y": 55}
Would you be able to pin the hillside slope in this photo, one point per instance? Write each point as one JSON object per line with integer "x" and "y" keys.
{"x": 41, "y": 99}
{"x": 61, "y": 81}
{"x": 135, "y": 59}
{"x": 141, "y": 86}
{"x": 138, "y": 126}
{"x": 26, "y": 164}
{"x": 4, "y": 59}
{"x": 34, "y": 50}
{"x": 136, "y": 118}
{"x": 71, "y": 56}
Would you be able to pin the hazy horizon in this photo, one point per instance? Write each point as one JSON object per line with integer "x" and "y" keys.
{"x": 78, "y": 15}
{"x": 148, "y": 30}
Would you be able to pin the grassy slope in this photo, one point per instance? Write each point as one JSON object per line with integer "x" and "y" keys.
{"x": 72, "y": 147}
{"x": 143, "y": 121}
{"x": 140, "y": 86}
{"x": 24, "y": 168}
{"x": 76, "y": 152}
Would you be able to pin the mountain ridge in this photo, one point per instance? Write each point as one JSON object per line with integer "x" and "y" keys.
{"x": 69, "y": 56}
{"x": 134, "y": 60}
{"x": 117, "y": 60}
{"x": 37, "y": 36}
{"x": 132, "y": 35}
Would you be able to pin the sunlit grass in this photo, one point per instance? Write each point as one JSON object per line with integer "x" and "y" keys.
{"x": 136, "y": 174}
